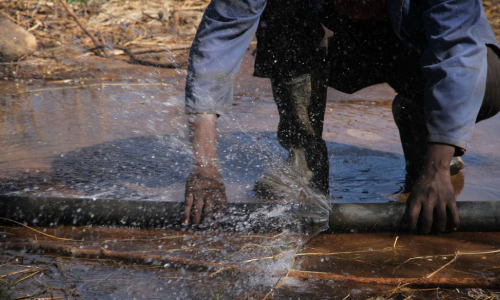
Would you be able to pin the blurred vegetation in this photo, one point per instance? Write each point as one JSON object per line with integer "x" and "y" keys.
{"x": 84, "y": 2}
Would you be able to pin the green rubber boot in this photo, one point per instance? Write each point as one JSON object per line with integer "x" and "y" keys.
{"x": 301, "y": 104}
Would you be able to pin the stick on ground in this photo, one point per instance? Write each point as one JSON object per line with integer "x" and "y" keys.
{"x": 470, "y": 282}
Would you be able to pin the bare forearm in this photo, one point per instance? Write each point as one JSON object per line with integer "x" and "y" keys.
{"x": 438, "y": 157}
{"x": 205, "y": 191}
{"x": 203, "y": 131}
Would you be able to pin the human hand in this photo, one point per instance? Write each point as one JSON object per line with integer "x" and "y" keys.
{"x": 205, "y": 195}
{"x": 432, "y": 200}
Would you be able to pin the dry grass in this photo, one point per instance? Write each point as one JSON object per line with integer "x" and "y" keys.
{"x": 152, "y": 33}
{"x": 117, "y": 23}
{"x": 198, "y": 255}
{"x": 492, "y": 10}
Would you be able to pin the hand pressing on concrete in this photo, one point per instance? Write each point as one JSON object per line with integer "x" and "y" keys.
{"x": 205, "y": 194}
{"x": 432, "y": 201}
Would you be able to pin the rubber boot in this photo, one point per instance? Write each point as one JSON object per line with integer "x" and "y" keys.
{"x": 301, "y": 104}
{"x": 410, "y": 120}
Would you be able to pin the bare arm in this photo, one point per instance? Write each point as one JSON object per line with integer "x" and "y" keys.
{"x": 454, "y": 64}
{"x": 205, "y": 191}
{"x": 203, "y": 134}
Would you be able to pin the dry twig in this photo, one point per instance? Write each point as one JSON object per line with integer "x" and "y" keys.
{"x": 471, "y": 282}
{"x": 443, "y": 266}
{"x": 395, "y": 242}
{"x": 77, "y": 20}
{"x": 445, "y": 255}
{"x": 39, "y": 232}
{"x": 26, "y": 277}
{"x": 486, "y": 282}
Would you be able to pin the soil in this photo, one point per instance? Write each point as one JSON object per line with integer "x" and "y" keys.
{"x": 76, "y": 123}
{"x": 242, "y": 266}
{"x": 76, "y": 138}
{"x": 155, "y": 33}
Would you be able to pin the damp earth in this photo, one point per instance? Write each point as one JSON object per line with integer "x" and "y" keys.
{"x": 120, "y": 134}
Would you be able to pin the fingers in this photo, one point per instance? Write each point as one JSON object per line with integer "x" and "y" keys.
{"x": 208, "y": 209}
{"x": 204, "y": 196}
{"x": 440, "y": 218}
{"x": 189, "y": 206}
{"x": 429, "y": 216}
{"x": 221, "y": 201}
{"x": 432, "y": 200}
{"x": 412, "y": 212}
{"x": 453, "y": 215}
{"x": 426, "y": 215}
{"x": 198, "y": 209}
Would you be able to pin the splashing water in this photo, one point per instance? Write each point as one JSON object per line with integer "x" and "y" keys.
{"x": 128, "y": 140}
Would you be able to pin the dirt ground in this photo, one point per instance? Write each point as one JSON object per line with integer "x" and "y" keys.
{"x": 107, "y": 263}
{"x": 73, "y": 110}
{"x": 70, "y": 36}
{"x": 155, "y": 33}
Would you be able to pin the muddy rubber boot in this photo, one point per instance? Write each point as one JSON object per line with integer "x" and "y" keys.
{"x": 301, "y": 104}
{"x": 410, "y": 120}
{"x": 281, "y": 181}
{"x": 457, "y": 164}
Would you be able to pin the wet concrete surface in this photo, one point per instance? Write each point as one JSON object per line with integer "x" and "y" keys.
{"x": 127, "y": 138}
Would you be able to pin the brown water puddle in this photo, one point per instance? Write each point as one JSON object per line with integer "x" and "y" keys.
{"x": 127, "y": 137}
{"x": 240, "y": 263}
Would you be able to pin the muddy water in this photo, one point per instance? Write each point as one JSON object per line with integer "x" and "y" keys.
{"x": 122, "y": 136}
{"x": 126, "y": 138}
{"x": 380, "y": 256}
{"x": 187, "y": 276}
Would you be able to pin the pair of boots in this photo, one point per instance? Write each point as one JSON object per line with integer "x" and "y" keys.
{"x": 301, "y": 103}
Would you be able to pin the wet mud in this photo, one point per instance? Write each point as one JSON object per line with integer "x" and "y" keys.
{"x": 121, "y": 134}
{"x": 149, "y": 264}
{"x": 88, "y": 137}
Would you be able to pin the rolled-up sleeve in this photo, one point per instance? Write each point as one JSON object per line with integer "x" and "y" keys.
{"x": 455, "y": 67}
{"x": 224, "y": 34}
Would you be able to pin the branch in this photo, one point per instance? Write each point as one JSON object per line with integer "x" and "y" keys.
{"x": 198, "y": 265}
{"x": 77, "y": 20}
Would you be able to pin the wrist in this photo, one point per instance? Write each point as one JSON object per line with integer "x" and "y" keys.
{"x": 205, "y": 164}
{"x": 205, "y": 167}
{"x": 438, "y": 157}
{"x": 204, "y": 141}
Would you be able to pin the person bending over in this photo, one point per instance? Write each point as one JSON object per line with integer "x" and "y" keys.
{"x": 440, "y": 56}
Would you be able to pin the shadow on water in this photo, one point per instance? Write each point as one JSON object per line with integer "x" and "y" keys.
{"x": 145, "y": 166}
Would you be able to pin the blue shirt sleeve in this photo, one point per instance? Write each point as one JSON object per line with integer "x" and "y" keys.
{"x": 455, "y": 66}
{"x": 223, "y": 36}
